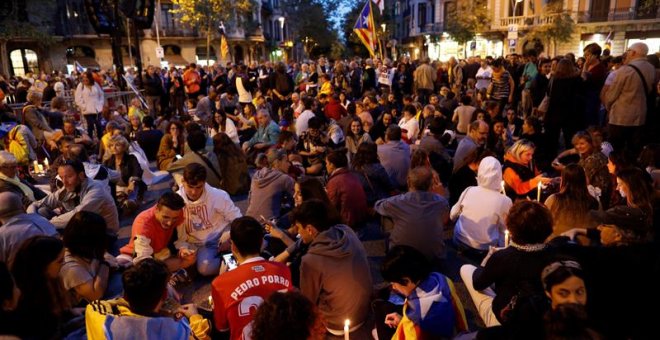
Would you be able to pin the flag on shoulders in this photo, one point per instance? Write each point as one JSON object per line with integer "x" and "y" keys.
{"x": 365, "y": 29}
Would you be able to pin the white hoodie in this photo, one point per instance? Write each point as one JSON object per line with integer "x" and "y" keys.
{"x": 206, "y": 219}
{"x": 481, "y": 210}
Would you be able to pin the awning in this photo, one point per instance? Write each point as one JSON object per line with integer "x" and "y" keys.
{"x": 88, "y": 62}
{"x": 176, "y": 60}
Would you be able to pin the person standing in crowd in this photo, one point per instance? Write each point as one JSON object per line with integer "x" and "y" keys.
{"x": 192, "y": 81}
{"x": 625, "y": 99}
{"x": 234, "y": 302}
{"x": 206, "y": 215}
{"x": 334, "y": 272}
{"x": 502, "y": 86}
{"x": 153, "y": 88}
{"x": 593, "y": 73}
{"x": 483, "y": 76}
{"x": 424, "y": 78}
{"x": 89, "y": 99}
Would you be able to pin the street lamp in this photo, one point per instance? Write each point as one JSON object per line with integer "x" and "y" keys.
{"x": 281, "y": 19}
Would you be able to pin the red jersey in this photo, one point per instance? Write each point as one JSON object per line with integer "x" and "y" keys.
{"x": 237, "y": 294}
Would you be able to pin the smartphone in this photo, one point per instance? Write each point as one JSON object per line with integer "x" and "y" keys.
{"x": 230, "y": 261}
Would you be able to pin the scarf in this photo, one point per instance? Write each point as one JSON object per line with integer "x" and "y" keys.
{"x": 15, "y": 181}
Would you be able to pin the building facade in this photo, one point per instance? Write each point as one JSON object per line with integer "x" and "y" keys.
{"x": 72, "y": 38}
{"x": 420, "y": 26}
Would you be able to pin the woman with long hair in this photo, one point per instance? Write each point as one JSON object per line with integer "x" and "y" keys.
{"x": 36, "y": 270}
{"x": 635, "y": 186}
{"x": 233, "y": 165}
{"x": 355, "y": 135}
{"x": 571, "y": 205}
{"x": 220, "y": 123}
{"x": 171, "y": 145}
{"x": 563, "y": 112}
{"x": 375, "y": 181}
{"x": 273, "y": 319}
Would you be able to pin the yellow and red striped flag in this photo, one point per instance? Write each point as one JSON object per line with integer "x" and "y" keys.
{"x": 365, "y": 28}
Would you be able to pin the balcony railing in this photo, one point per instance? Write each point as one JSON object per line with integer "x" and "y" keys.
{"x": 530, "y": 20}
{"x": 169, "y": 31}
{"x": 431, "y": 28}
{"x": 619, "y": 14}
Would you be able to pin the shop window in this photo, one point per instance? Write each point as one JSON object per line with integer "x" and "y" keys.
{"x": 23, "y": 61}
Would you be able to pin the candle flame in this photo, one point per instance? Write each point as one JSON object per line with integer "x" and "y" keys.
{"x": 347, "y": 323}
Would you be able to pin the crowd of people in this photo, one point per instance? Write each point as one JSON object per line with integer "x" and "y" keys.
{"x": 542, "y": 174}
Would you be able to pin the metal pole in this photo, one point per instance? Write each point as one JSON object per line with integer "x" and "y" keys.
{"x": 128, "y": 34}
{"x": 158, "y": 23}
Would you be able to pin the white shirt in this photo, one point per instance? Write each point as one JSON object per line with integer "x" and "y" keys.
{"x": 484, "y": 75}
{"x": 206, "y": 219}
{"x": 230, "y": 130}
{"x": 89, "y": 99}
{"x": 302, "y": 121}
{"x": 411, "y": 126}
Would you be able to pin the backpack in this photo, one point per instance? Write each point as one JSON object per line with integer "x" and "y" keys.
{"x": 21, "y": 153}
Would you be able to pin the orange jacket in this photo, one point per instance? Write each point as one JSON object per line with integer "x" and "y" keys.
{"x": 513, "y": 180}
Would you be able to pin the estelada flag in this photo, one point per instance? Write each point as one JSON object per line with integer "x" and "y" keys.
{"x": 224, "y": 47}
{"x": 365, "y": 29}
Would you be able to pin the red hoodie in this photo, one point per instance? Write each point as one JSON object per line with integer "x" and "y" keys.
{"x": 334, "y": 110}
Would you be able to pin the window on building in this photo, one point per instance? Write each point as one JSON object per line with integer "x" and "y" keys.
{"x": 518, "y": 6}
{"x": 166, "y": 17}
{"x": 421, "y": 11}
{"x": 23, "y": 61}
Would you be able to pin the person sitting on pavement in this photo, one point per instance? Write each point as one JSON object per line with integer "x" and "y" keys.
{"x": 152, "y": 231}
{"x": 79, "y": 193}
{"x": 476, "y": 138}
{"x": 520, "y": 174}
{"x": 235, "y": 292}
{"x": 269, "y": 186}
{"x": 233, "y": 165}
{"x": 137, "y": 314}
{"x": 481, "y": 211}
{"x": 149, "y": 138}
{"x": 334, "y": 272}
{"x": 80, "y": 137}
{"x": 10, "y": 182}
{"x": 395, "y": 156}
{"x": 172, "y": 145}
{"x": 265, "y": 137}
{"x": 207, "y": 215}
{"x": 130, "y": 188}
{"x": 16, "y": 226}
{"x": 419, "y": 216}
{"x": 312, "y": 146}
{"x": 86, "y": 271}
{"x": 345, "y": 190}
{"x": 513, "y": 270}
{"x": 197, "y": 144}
{"x": 272, "y": 320}
{"x": 412, "y": 276}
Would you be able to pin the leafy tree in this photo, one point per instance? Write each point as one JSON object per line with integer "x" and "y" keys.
{"x": 467, "y": 18}
{"x": 308, "y": 23}
{"x": 557, "y": 25}
{"x": 206, "y": 15}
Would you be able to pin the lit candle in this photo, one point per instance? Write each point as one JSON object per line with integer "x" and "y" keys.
{"x": 46, "y": 164}
{"x": 347, "y": 325}
{"x": 506, "y": 238}
{"x": 36, "y": 167}
{"x": 503, "y": 190}
{"x": 41, "y": 169}
{"x": 211, "y": 301}
{"x": 538, "y": 191}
